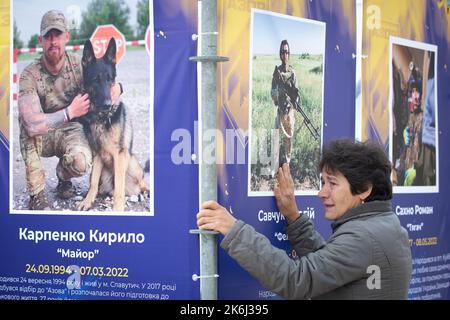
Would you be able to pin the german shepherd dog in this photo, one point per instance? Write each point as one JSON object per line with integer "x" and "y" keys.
{"x": 115, "y": 171}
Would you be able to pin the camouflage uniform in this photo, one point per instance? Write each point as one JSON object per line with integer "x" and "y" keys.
{"x": 415, "y": 136}
{"x": 67, "y": 142}
{"x": 284, "y": 94}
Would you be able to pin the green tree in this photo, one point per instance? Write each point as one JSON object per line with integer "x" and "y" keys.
{"x": 34, "y": 41}
{"x": 100, "y": 12}
{"x": 18, "y": 43}
{"x": 76, "y": 38}
{"x": 142, "y": 18}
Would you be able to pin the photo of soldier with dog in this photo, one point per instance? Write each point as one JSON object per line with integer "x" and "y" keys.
{"x": 79, "y": 119}
{"x": 287, "y": 98}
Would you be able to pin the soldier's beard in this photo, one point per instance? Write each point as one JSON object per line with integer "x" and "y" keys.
{"x": 54, "y": 58}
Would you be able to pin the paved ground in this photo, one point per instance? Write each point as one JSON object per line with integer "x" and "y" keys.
{"x": 134, "y": 74}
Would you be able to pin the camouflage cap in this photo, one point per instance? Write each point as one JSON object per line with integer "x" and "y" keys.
{"x": 53, "y": 19}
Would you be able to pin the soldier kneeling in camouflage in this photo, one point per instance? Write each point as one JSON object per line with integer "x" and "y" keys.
{"x": 49, "y": 98}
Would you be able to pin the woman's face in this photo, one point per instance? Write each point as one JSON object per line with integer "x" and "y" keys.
{"x": 336, "y": 195}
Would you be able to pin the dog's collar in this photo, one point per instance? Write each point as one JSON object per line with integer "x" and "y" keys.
{"x": 106, "y": 116}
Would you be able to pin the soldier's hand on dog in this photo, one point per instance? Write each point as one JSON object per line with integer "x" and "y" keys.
{"x": 284, "y": 194}
{"x": 79, "y": 106}
{"x": 213, "y": 216}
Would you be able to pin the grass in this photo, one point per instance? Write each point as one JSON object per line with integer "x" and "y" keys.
{"x": 306, "y": 150}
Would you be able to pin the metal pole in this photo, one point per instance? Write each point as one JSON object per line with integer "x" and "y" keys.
{"x": 208, "y": 264}
{"x": 208, "y": 170}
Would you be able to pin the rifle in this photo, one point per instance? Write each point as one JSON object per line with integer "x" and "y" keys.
{"x": 292, "y": 92}
{"x": 306, "y": 121}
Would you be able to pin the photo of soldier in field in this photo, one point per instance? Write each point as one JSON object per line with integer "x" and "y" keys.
{"x": 286, "y": 96}
{"x": 286, "y": 100}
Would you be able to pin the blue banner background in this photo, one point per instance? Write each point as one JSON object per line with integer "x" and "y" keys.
{"x": 169, "y": 255}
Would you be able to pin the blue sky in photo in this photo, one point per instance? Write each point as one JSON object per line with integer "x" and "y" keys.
{"x": 304, "y": 36}
{"x": 28, "y": 13}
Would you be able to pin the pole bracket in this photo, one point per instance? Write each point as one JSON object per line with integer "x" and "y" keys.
{"x": 209, "y": 59}
{"x": 198, "y": 231}
{"x": 195, "y": 277}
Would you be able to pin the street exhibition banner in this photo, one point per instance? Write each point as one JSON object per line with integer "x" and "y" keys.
{"x": 321, "y": 37}
{"x": 144, "y": 251}
{"x": 405, "y": 99}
